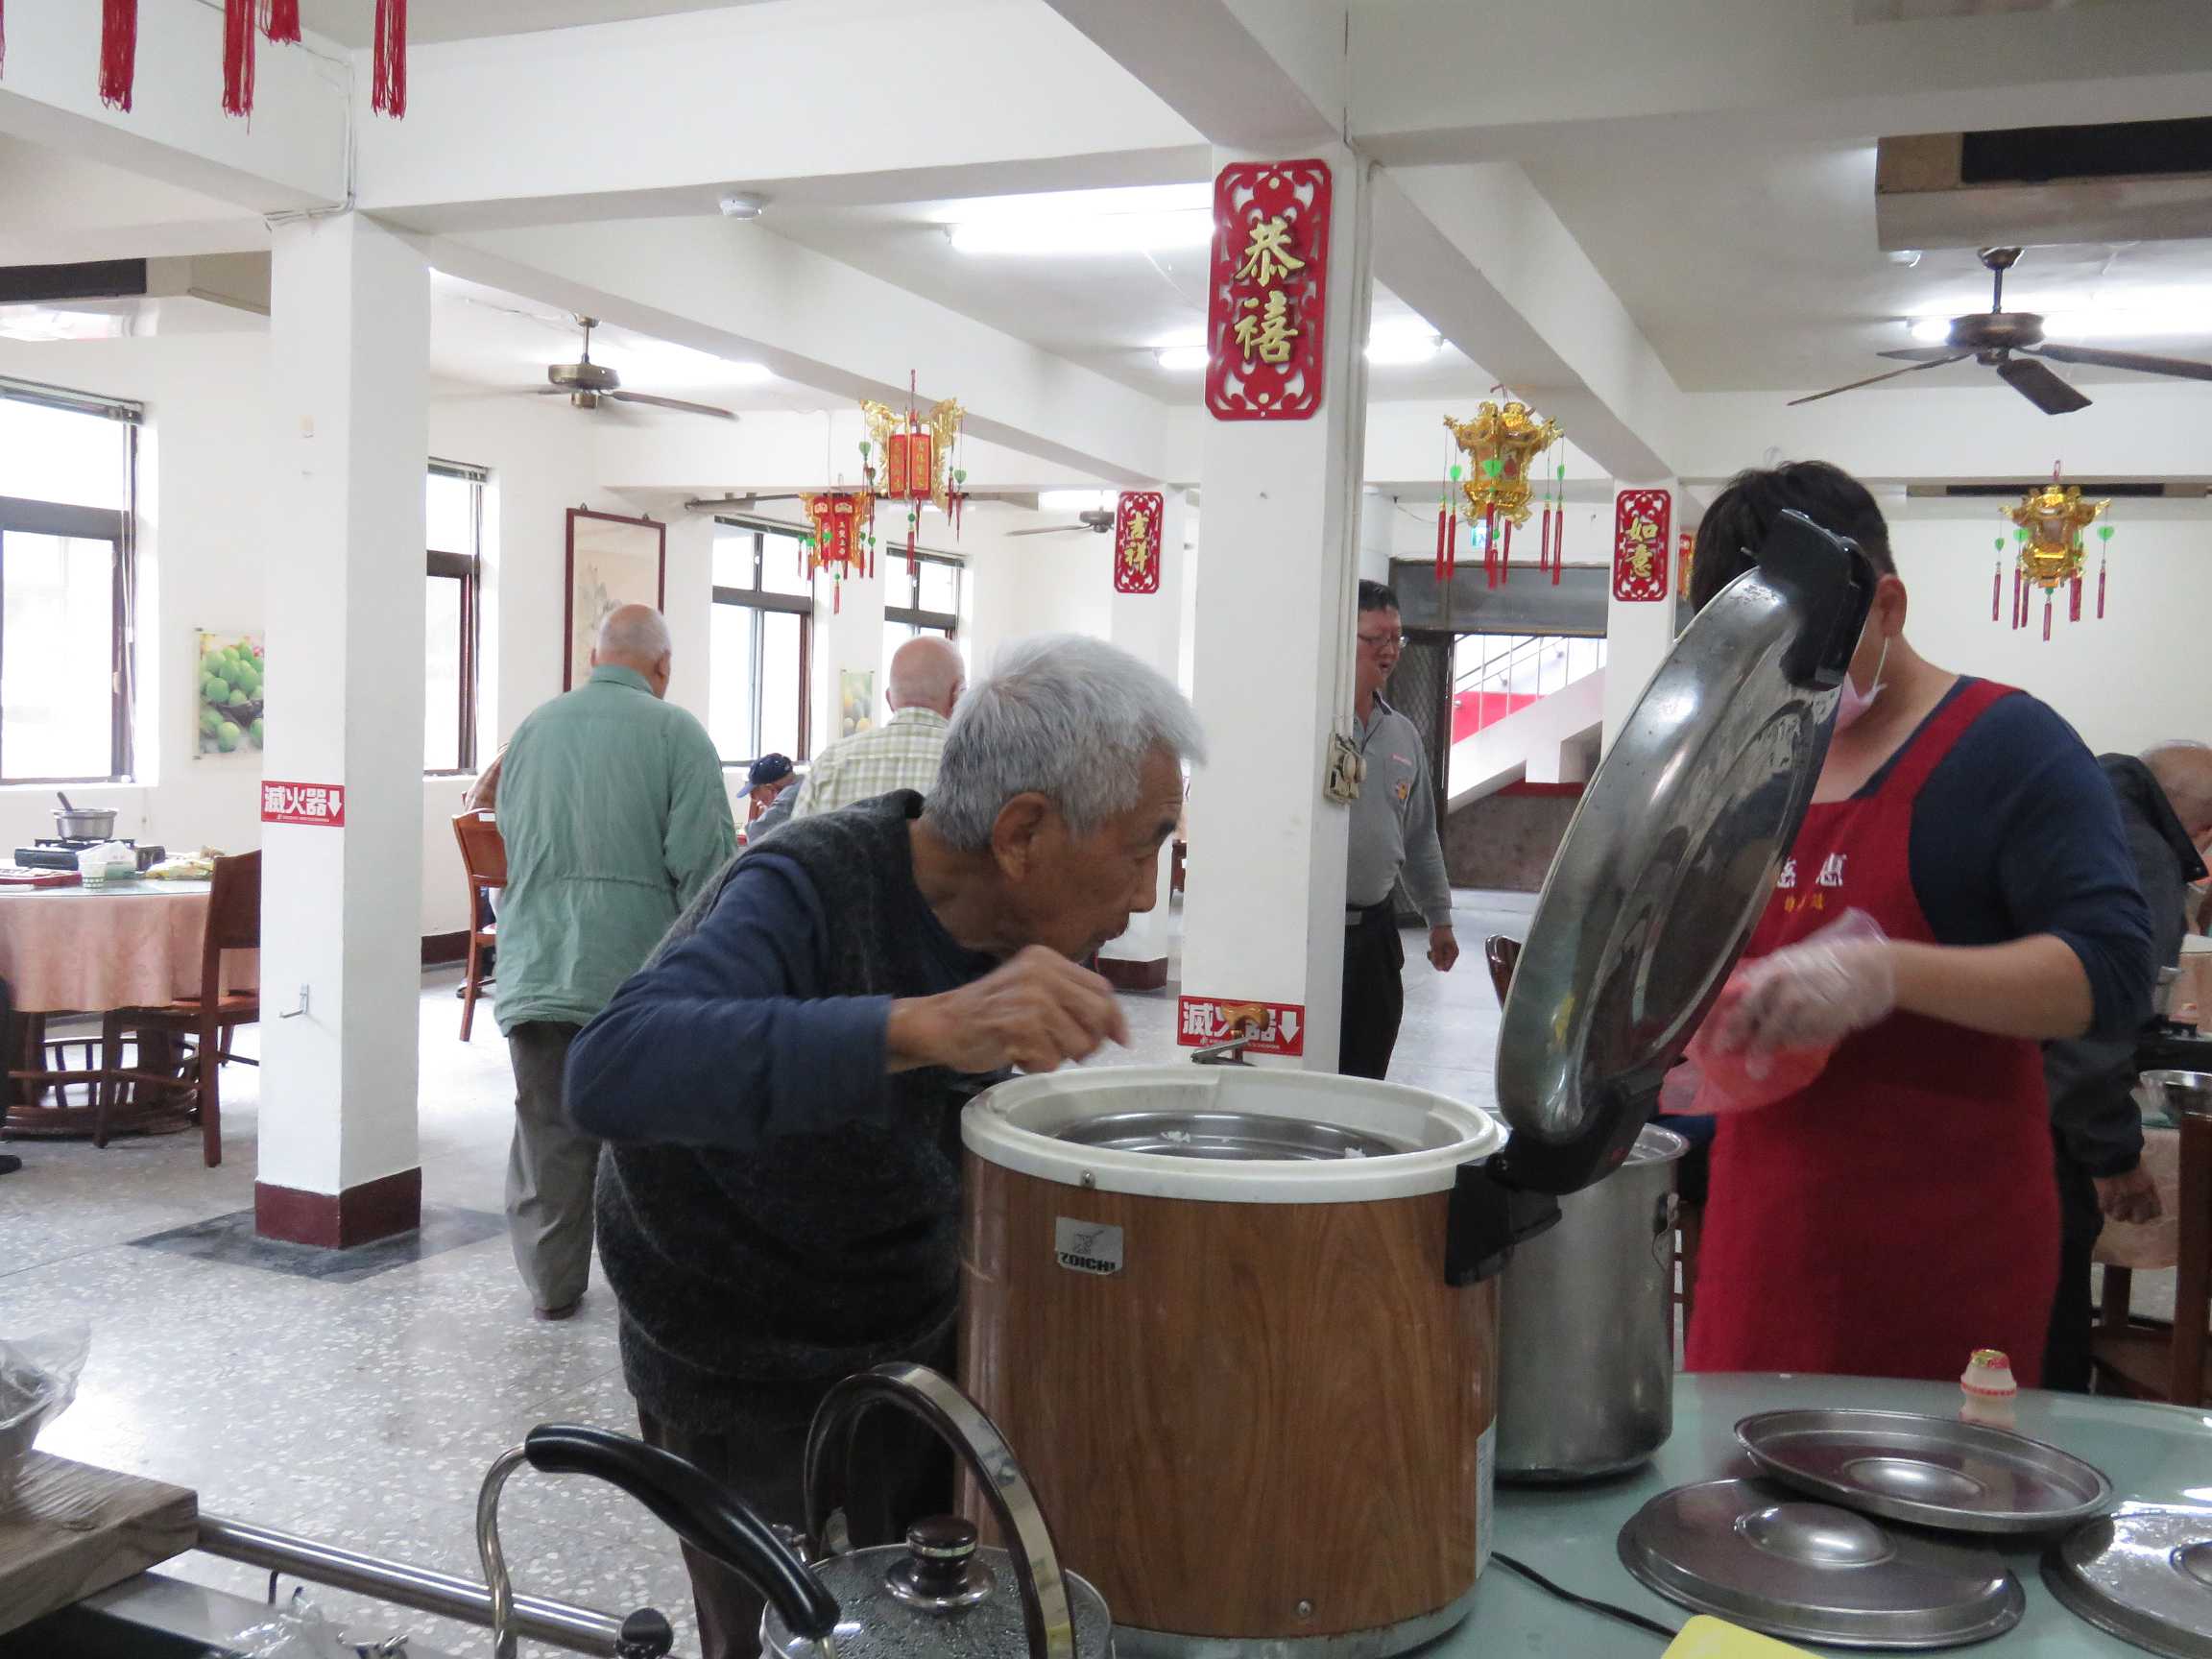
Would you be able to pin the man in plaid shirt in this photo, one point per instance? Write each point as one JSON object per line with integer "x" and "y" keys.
{"x": 927, "y": 678}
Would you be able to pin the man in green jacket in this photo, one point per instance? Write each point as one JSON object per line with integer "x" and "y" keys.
{"x": 613, "y": 808}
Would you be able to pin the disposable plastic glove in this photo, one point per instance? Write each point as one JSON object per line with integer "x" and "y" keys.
{"x": 1810, "y": 995}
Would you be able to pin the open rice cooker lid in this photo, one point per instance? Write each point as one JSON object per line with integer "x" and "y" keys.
{"x": 1672, "y": 857}
{"x": 1231, "y": 1134}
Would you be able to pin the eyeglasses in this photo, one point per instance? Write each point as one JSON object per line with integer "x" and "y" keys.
{"x": 1376, "y": 641}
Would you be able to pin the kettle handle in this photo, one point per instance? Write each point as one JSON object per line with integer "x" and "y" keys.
{"x": 958, "y": 1422}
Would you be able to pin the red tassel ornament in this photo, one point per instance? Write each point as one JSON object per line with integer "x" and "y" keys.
{"x": 118, "y": 52}
{"x": 2046, "y": 607}
{"x": 283, "y": 24}
{"x": 2100, "y": 590}
{"x": 1506, "y": 554}
{"x": 238, "y": 58}
{"x": 2074, "y": 601}
{"x": 1996, "y": 589}
{"x": 389, "y": 96}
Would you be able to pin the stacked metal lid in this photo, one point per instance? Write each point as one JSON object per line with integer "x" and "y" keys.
{"x": 1813, "y": 1551}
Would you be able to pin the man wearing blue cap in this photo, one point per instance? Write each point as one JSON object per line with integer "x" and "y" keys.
{"x": 773, "y": 788}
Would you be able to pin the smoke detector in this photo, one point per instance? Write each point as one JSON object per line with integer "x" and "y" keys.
{"x": 742, "y": 204}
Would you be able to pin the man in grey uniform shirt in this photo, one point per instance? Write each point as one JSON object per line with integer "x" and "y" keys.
{"x": 1393, "y": 830}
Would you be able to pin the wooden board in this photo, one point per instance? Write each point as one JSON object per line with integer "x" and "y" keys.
{"x": 1267, "y": 1421}
{"x": 70, "y": 1531}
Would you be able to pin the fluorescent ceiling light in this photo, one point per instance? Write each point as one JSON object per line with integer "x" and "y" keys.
{"x": 1073, "y": 500}
{"x": 1389, "y": 347}
{"x": 1931, "y": 331}
{"x": 44, "y": 323}
{"x": 654, "y": 362}
{"x": 1078, "y": 203}
{"x": 1086, "y": 233}
{"x": 2143, "y": 315}
{"x": 1182, "y": 359}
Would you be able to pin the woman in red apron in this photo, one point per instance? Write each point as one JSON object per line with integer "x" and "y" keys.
{"x": 1901, "y": 1209}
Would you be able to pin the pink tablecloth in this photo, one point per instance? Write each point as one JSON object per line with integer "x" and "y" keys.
{"x": 91, "y": 949}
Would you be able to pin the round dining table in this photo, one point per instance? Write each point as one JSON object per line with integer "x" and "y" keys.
{"x": 91, "y": 949}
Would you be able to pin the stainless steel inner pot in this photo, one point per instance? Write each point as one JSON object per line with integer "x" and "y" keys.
{"x": 1244, "y": 1137}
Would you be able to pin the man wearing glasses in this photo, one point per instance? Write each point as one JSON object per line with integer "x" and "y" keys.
{"x": 1393, "y": 834}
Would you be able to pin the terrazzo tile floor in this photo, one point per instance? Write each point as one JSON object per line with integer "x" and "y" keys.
{"x": 362, "y": 1410}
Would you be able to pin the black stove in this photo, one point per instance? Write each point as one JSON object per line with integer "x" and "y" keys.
{"x": 60, "y": 853}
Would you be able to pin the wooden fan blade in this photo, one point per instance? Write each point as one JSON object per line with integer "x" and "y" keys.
{"x": 2041, "y": 385}
{"x": 1875, "y": 379}
{"x": 671, "y": 403}
{"x": 2142, "y": 362}
{"x": 1921, "y": 354}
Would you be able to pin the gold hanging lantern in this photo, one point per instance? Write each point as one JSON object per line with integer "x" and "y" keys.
{"x": 917, "y": 450}
{"x": 2048, "y": 522}
{"x": 1499, "y": 487}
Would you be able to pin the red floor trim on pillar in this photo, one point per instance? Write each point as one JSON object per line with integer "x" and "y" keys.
{"x": 374, "y": 1210}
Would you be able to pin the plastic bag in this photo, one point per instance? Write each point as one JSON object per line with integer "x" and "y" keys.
{"x": 1747, "y": 1079}
{"x": 38, "y": 1380}
{"x": 299, "y": 1631}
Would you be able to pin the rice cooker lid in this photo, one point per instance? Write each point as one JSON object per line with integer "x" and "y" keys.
{"x": 1672, "y": 857}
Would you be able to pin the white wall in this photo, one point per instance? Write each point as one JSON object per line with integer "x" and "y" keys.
{"x": 2142, "y": 674}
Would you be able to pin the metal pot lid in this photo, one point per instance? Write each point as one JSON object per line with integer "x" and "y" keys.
{"x": 1804, "y": 1572}
{"x": 1930, "y": 1471}
{"x": 1672, "y": 857}
{"x": 1246, "y": 1136}
{"x": 892, "y": 1609}
{"x": 2144, "y": 1575}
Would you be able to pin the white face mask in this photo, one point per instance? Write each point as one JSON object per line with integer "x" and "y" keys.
{"x": 1854, "y": 702}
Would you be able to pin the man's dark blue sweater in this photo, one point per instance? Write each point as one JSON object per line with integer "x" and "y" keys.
{"x": 775, "y": 1210}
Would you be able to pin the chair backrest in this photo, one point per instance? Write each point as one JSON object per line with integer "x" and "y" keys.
{"x": 2193, "y": 1281}
{"x": 483, "y": 854}
{"x": 234, "y": 917}
{"x": 1502, "y": 954}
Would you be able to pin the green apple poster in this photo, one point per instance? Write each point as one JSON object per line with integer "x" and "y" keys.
{"x": 230, "y": 699}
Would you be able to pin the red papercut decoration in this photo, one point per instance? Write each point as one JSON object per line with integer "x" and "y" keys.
{"x": 1640, "y": 539}
{"x": 1138, "y": 515}
{"x": 388, "y": 96}
{"x": 118, "y": 50}
{"x": 1264, "y": 323}
{"x": 909, "y": 466}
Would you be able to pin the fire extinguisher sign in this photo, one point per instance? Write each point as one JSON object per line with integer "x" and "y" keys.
{"x": 1273, "y": 1028}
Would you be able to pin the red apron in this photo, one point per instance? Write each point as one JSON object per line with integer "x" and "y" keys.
{"x": 1901, "y": 1211}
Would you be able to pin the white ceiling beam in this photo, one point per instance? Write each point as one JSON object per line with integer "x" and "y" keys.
{"x": 1479, "y": 253}
{"x": 829, "y": 102}
{"x": 742, "y": 292}
{"x": 291, "y": 155}
{"x": 1774, "y": 69}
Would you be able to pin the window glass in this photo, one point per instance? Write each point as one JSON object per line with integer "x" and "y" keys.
{"x": 449, "y": 513}
{"x": 734, "y": 559}
{"x": 782, "y": 686}
{"x": 784, "y": 565}
{"x": 56, "y": 654}
{"x": 940, "y": 588}
{"x": 59, "y": 455}
{"x": 442, "y": 674}
{"x": 732, "y": 631}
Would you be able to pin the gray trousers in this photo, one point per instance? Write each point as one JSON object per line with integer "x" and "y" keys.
{"x": 550, "y": 1168}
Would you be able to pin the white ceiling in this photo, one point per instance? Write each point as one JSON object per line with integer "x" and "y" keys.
{"x": 1755, "y": 268}
{"x": 1110, "y": 312}
{"x": 351, "y": 22}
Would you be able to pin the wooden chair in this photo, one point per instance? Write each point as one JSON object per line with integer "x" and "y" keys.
{"x": 2147, "y": 1360}
{"x": 1502, "y": 954}
{"x": 207, "y": 1020}
{"x": 484, "y": 861}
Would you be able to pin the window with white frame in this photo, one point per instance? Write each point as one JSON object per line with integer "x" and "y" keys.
{"x": 68, "y": 463}
{"x": 453, "y": 587}
{"x": 926, "y": 600}
{"x": 760, "y": 643}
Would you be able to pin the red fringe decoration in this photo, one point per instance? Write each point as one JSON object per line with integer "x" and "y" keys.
{"x": 283, "y": 24}
{"x": 1443, "y": 541}
{"x": 3, "y": 35}
{"x": 1996, "y": 588}
{"x": 389, "y": 94}
{"x": 2100, "y": 590}
{"x": 118, "y": 52}
{"x": 2046, "y": 616}
{"x": 1490, "y": 546}
{"x": 238, "y": 58}
{"x": 2074, "y": 601}
{"x": 1506, "y": 554}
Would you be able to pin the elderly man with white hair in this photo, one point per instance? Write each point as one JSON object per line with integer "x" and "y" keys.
{"x": 780, "y": 1089}
{"x": 926, "y": 678}
{"x": 612, "y": 809}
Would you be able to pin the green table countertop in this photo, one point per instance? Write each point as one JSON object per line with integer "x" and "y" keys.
{"x": 2153, "y": 1453}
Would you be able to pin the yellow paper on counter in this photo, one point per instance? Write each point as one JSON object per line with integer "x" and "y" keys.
{"x": 1708, "y": 1638}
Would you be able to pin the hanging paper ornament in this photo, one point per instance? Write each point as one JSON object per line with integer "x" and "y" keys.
{"x": 2104, "y": 546}
{"x": 2046, "y": 616}
{"x": 238, "y": 25}
{"x": 1559, "y": 522}
{"x": 2049, "y": 521}
{"x": 283, "y": 24}
{"x": 1503, "y": 443}
{"x": 1996, "y": 580}
{"x": 389, "y": 96}
{"x": 118, "y": 52}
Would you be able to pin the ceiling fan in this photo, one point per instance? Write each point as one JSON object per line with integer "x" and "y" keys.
{"x": 2010, "y": 341}
{"x": 585, "y": 383}
{"x": 1096, "y": 520}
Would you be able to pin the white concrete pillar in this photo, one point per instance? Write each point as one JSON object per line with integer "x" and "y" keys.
{"x": 689, "y": 608}
{"x": 1149, "y": 627}
{"x": 848, "y": 632}
{"x": 350, "y": 331}
{"x": 1638, "y": 632}
{"x": 1264, "y": 911}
